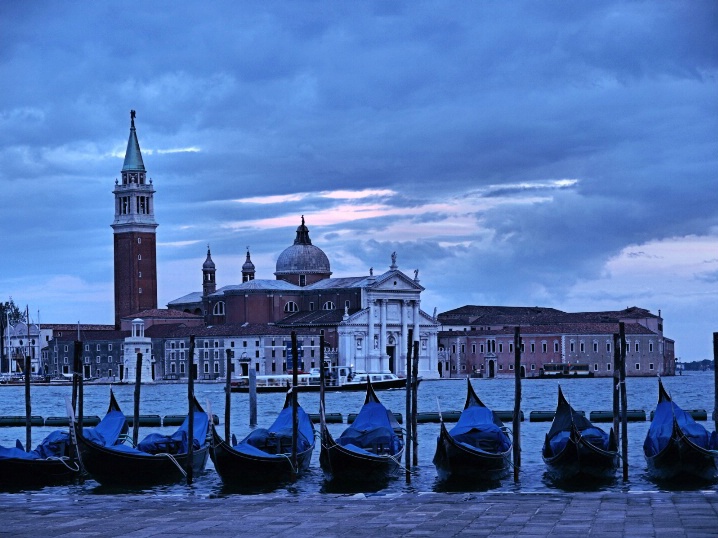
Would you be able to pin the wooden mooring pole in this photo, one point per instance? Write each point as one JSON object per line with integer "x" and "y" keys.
{"x": 322, "y": 377}
{"x": 190, "y": 422}
{"x": 715, "y": 379}
{"x": 136, "y": 411}
{"x": 252, "y": 397}
{"x": 415, "y": 402}
{"x": 624, "y": 402}
{"x": 28, "y": 404}
{"x": 228, "y": 397}
{"x": 407, "y": 414}
{"x": 295, "y": 415}
{"x": 517, "y": 403}
{"x": 616, "y": 384}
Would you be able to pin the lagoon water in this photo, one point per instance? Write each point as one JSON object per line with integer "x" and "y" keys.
{"x": 693, "y": 390}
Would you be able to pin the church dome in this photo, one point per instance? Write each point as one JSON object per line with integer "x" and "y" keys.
{"x": 302, "y": 258}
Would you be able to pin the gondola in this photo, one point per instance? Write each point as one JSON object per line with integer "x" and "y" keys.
{"x": 369, "y": 450}
{"x": 54, "y": 461}
{"x": 676, "y": 446}
{"x": 157, "y": 459}
{"x": 575, "y": 448}
{"x": 264, "y": 457}
{"x": 477, "y": 448}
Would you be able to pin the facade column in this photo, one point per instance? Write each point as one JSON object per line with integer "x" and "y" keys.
{"x": 370, "y": 343}
{"x": 382, "y": 335}
{"x": 417, "y": 333}
{"x": 404, "y": 336}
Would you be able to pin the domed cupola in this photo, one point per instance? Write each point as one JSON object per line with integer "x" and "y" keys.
{"x": 302, "y": 263}
{"x": 247, "y": 269}
{"x": 209, "y": 284}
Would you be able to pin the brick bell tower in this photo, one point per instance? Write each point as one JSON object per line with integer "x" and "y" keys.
{"x": 134, "y": 235}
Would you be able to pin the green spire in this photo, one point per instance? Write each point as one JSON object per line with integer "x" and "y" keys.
{"x": 133, "y": 155}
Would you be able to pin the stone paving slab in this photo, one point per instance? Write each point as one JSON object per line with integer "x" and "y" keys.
{"x": 651, "y": 514}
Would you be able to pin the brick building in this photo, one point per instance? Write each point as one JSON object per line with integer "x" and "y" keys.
{"x": 479, "y": 340}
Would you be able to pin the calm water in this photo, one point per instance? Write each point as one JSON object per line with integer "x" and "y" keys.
{"x": 690, "y": 391}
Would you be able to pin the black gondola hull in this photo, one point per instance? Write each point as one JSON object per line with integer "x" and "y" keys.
{"x": 19, "y": 473}
{"x": 240, "y": 469}
{"x": 114, "y": 468}
{"x": 455, "y": 462}
{"x": 683, "y": 460}
{"x": 579, "y": 458}
{"x": 342, "y": 465}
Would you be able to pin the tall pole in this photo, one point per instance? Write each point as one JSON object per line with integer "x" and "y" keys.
{"x": 517, "y": 403}
{"x": 616, "y": 383}
{"x": 228, "y": 396}
{"x": 407, "y": 443}
{"x": 28, "y": 406}
{"x": 80, "y": 388}
{"x": 295, "y": 415}
{"x": 252, "y": 397}
{"x": 715, "y": 379}
{"x": 322, "y": 409}
{"x": 414, "y": 402}
{"x": 76, "y": 367}
{"x": 136, "y": 412}
{"x": 190, "y": 415}
{"x": 624, "y": 402}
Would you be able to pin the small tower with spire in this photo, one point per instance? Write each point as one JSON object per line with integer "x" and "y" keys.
{"x": 209, "y": 284}
{"x": 247, "y": 269}
{"x": 134, "y": 230}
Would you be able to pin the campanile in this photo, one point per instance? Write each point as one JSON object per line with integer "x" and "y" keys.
{"x": 134, "y": 235}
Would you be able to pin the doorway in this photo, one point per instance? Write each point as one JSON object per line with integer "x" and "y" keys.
{"x": 492, "y": 369}
{"x": 391, "y": 351}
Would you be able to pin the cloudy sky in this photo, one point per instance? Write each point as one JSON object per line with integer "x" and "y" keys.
{"x": 517, "y": 153}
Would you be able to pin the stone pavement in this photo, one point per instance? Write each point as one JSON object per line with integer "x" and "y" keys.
{"x": 670, "y": 515}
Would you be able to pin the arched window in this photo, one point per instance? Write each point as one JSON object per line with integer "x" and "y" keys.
{"x": 291, "y": 306}
{"x": 329, "y": 305}
{"x": 218, "y": 309}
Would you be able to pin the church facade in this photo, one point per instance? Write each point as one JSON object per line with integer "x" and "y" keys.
{"x": 367, "y": 321}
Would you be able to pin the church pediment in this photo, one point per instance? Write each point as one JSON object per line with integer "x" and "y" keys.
{"x": 395, "y": 281}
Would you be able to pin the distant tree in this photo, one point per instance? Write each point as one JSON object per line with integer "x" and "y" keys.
{"x": 14, "y": 312}
{"x": 10, "y": 310}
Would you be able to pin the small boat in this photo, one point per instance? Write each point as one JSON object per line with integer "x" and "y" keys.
{"x": 478, "y": 448}
{"x": 575, "y": 448}
{"x": 54, "y": 460}
{"x": 337, "y": 379}
{"x": 369, "y": 450}
{"x": 264, "y": 457}
{"x": 559, "y": 370}
{"x": 157, "y": 459}
{"x": 676, "y": 446}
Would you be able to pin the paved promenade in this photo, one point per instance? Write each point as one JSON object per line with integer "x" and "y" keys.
{"x": 670, "y": 515}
